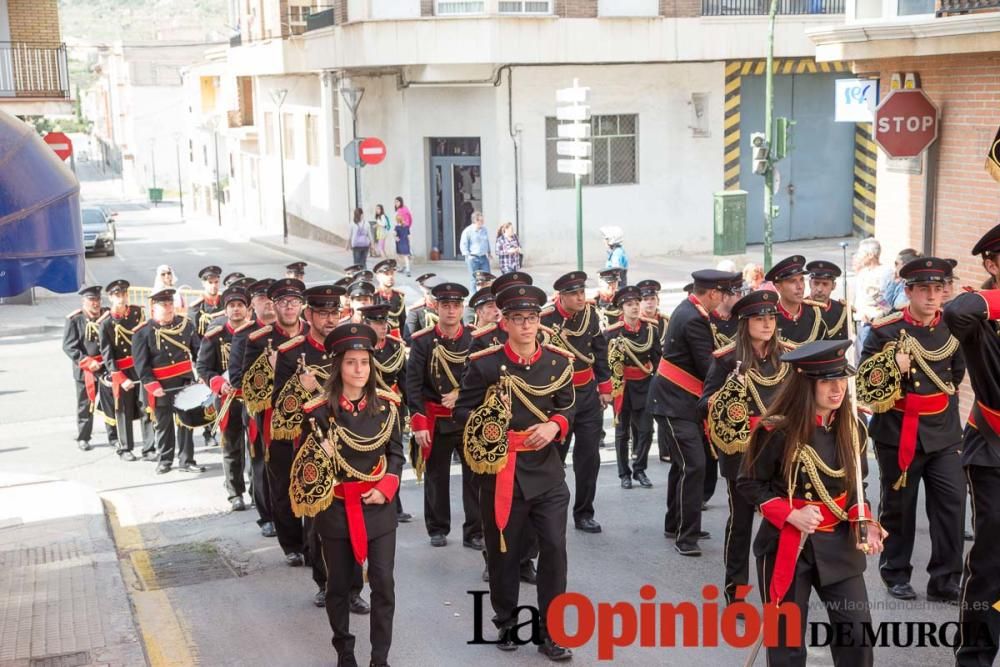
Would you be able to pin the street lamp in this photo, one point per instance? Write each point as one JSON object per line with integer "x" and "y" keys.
{"x": 352, "y": 96}
{"x": 278, "y": 96}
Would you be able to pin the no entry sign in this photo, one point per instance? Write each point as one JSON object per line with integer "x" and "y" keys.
{"x": 372, "y": 150}
{"x": 60, "y": 143}
{"x": 906, "y": 123}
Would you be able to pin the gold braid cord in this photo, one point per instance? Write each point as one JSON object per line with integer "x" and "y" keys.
{"x": 560, "y": 338}
{"x": 92, "y": 331}
{"x": 164, "y": 334}
{"x": 721, "y": 339}
{"x": 258, "y": 384}
{"x": 313, "y": 476}
{"x": 623, "y": 351}
{"x": 840, "y": 323}
{"x": 287, "y": 418}
{"x": 122, "y": 334}
{"x": 441, "y": 361}
{"x": 729, "y": 416}
{"x": 921, "y": 355}
{"x": 817, "y": 323}
{"x": 389, "y": 368}
{"x": 880, "y": 384}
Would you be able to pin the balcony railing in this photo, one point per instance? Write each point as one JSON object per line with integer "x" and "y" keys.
{"x": 964, "y": 6}
{"x": 33, "y": 70}
{"x": 759, "y": 7}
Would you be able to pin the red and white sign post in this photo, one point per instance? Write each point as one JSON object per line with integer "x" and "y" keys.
{"x": 371, "y": 150}
{"x": 60, "y": 143}
{"x": 906, "y": 123}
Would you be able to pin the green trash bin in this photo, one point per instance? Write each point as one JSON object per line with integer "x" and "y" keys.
{"x": 155, "y": 195}
{"x": 730, "y": 215}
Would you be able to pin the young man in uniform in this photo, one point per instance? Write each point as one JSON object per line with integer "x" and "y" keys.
{"x": 82, "y": 344}
{"x": 296, "y": 271}
{"x": 650, "y": 290}
{"x": 116, "y": 349}
{"x": 798, "y": 322}
{"x": 609, "y": 280}
{"x": 490, "y": 328}
{"x": 822, "y": 282}
{"x": 385, "y": 274}
{"x": 423, "y": 313}
{"x": 202, "y": 313}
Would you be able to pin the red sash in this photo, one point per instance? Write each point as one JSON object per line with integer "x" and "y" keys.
{"x": 89, "y": 380}
{"x": 503, "y": 495}
{"x": 583, "y": 378}
{"x": 118, "y": 377}
{"x": 680, "y": 377}
{"x": 350, "y": 493}
{"x": 788, "y": 545}
{"x": 426, "y": 422}
{"x": 992, "y": 417}
{"x": 632, "y": 373}
{"x": 914, "y": 406}
{"x": 165, "y": 373}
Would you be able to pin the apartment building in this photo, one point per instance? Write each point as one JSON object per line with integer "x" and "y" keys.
{"x": 34, "y": 78}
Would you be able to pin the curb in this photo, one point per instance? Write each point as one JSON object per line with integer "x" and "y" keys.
{"x": 309, "y": 257}
{"x": 29, "y": 330}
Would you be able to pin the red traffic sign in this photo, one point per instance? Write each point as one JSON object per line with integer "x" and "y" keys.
{"x": 906, "y": 123}
{"x": 60, "y": 143}
{"x": 371, "y": 150}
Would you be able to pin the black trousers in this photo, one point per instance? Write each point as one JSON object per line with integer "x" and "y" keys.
{"x": 635, "y": 422}
{"x": 260, "y": 486}
{"x": 846, "y": 602}
{"x": 437, "y": 489}
{"x": 234, "y": 451}
{"x": 146, "y": 423}
{"x": 543, "y": 515}
{"x": 711, "y": 472}
{"x": 85, "y": 415}
{"x": 662, "y": 436}
{"x": 170, "y": 435}
{"x": 739, "y": 535}
{"x": 279, "y": 471}
{"x": 314, "y": 558}
{"x": 981, "y": 578}
{"x": 586, "y": 436}
{"x": 339, "y": 557}
{"x": 686, "y": 480}
{"x": 127, "y": 410}
{"x": 944, "y": 489}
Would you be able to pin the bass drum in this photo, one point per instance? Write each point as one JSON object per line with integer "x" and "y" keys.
{"x": 195, "y": 406}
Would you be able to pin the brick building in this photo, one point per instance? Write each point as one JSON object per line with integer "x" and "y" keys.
{"x": 34, "y": 77}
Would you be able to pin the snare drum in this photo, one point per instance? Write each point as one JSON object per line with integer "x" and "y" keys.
{"x": 195, "y": 406}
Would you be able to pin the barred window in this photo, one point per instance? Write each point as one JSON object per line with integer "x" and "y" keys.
{"x": 615, "y": 151}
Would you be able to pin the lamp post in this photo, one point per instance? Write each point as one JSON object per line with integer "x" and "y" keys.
{"x": 352, "y": 96}
{"x": 278, "y": 96}
{"x": 180, "y": 186}
{"x": 574, "y": 126}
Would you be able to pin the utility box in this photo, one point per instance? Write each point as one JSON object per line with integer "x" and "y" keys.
{"x": 155, "y": 195}
{"x": 730, "y": 222}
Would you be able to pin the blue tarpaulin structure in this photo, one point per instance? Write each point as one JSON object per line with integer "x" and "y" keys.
{"x": 41, "y": 235}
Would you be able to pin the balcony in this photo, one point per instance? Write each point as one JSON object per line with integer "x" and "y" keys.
{"x": 761, "y": 7}
{"x": 29, "y": 70}
{"x": 946, "y": 7}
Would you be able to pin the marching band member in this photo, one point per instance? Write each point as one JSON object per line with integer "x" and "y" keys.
{"x": 82, "y": 344}
{"x": 650, "y": 290}
{"x": 798, "y": 321}
{"x": 385, "y": 274}
{"x": 422, "y": 314}
{"x": 822, "y": 281}
{"x": 116, "y": 350}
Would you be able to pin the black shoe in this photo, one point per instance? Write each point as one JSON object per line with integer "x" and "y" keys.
{"x": 151, "y": 457}
{"x": 554, "y": 651}
{"x": 902, "y": 591}
{"x": 644, "y": 482}
{"x": 83, "y": 445}
{"x": 473, "y": 543}
{"x": 528, "y": 573}
{"x": 347, "y": 660}
{"x": 162, "y": 468}
{"x": 191, "y": 467}
{"x": 671, "y": 535}
{"x": 438, "y": 540}
{"x": 294, "y": 559}
{"x": 505, "y": 640}
{"x": 949, "y": 593}
{"x": 378, "y": 664}
{"x": 404, "y": 517}
{"x": 688, "y": 549}
{"x": 126, "y": 456}
{"x": 588, "y": 526}
{"x": 359, "y": 606}
{"x": 267, "y": 529}
{"x": 626, "y": 482}
{"x": 237, "y": 504}
{"x": 320, "y": 599}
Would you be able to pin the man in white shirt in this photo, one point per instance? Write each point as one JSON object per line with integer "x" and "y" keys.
{"x": 475, "y": 247}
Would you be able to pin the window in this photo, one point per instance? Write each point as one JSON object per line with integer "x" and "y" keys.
{"x": 525, "y": 7}
{"x": 454, "y": 7}
{"x": 614, "y": 143}
{"x": 204, "y": 154}
{"x": 288, "y": 135}
{"x": 336, "y": 125}
{"x": 270, "y": 140}
{"x": 190, "y": 150}
{"x": 312, "y": 140}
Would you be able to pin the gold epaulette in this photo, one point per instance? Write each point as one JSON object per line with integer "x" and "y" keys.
{"x": 649, "y": 320}
{"x": 105, "y": 315}
{"x": 811, "y": 302}
{"x": 291, "y": 343}
{"x": 612, "y": 327}
{"x": 395, "y": 338}
{"x": 724, "y": 350}
{"x": 260, "y": 333}
{"x": 243, "y": 326}
{"x": 311, "y": 405}
{"x": 483, "y": 330}
{"x": 548, "y": 310}
{"x": 390, "y": 396}
{"x": 422, "y": 332}
{"x": 558, "y": 350}
{"x": 701, "y": 310}
{"x": 887, "y": 319}
{"x": 214, "y": 331}
{"x": 74, "y": 313}
{"x": 485, "y": 353}
{"x": 196, "y": 302}
{"x": 140, "y": 325}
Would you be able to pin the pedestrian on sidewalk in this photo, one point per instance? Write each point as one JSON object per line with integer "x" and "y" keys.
{"x": 617, "y": 259}
{"x": 383, "y": 227}
{"x": 475, "y": 247}
{"x": 166, "y": 278}
{"x": 404, "y": 222}
{"x": 869, "y": 298}
{"x": 359, "y": 238}
{"x": 509, "y": 251}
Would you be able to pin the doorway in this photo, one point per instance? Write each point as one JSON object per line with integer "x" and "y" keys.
{"x": 456, "y": 190}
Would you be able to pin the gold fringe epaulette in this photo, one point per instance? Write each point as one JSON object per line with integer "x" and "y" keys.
{"x": 140, "y": 325}
{"x": 422, "y": 332}
{"x": 813, "y": 302}
{"x": 291, "y": 343}
{"x": 613, "y": 327}
{"x": 649, "y": 320}
{"x": 558, "y": 350}
{"x": 390, "y": 396}
{"x": 724, "y": 350}
{"x": 483, "y": 330}
{"x": 74, "y": 313}
{"x": 396, "y": 338}
{"x": 213, "y": 332}
{"x": 311, "y": 405}
{"x": 105, "y": 315}
{"x": 245, "y": 325}
{"x": 260, "y": 333}
{"x": 485, "y": 353}
{"x": 887, "y": 319}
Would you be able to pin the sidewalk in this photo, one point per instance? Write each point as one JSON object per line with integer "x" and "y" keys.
{"x": 62, "y": 596}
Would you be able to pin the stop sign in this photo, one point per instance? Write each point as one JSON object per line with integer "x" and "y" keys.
{"x": 371, "y": 150}
{"x": 60, "y": 144}
{"x": 906, "y": 122}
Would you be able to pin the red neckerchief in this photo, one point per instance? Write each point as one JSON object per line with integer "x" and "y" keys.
{"x": 441, "y": 334}
{"x": 908, "y": 318}
{"x": 348, "y": 405}
{"x": 629, "y": 329}
{"x": 787, "y": 315}
{"x": 212, "y": 301}
{"x": 518, "y": 359}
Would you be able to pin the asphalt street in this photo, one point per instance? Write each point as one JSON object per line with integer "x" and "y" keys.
{"x": 257, "y": 611}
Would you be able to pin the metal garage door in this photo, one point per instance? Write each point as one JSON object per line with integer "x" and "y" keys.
{"x": 816, "y": 180}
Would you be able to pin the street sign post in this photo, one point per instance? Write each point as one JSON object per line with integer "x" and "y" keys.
{"x": 906, "y": 123}
{"x": 574, "y": 116}
{"x": 352, "y": 154}
{"x": 371, "y": 150}
{"x": 60, "y": 143}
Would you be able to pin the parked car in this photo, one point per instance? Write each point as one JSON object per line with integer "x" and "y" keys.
{"x": 98, "y": 231}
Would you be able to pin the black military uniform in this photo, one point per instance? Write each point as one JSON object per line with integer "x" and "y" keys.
{"x": 580, "y": 334}
{"x": 232, "y": 278}
{"x": 723, "y": 328}
{"x": 361, "y": 293}
{"x": 917, "y": 433}
{"x": 687, "y": 355}
{"x": 632, "y": 357}
{"x": 332, "y": 484}
{"x": 829, "y": 559}
{"x": 732, "y": 406}
{"x": 208, "y": 307}
{"x": 805, "y": 326}
{"x": 494, "y": 333}
{"x": 116, "y": 350}
{"x": 82, "y": 344}
{"x": 395, "y": 299}
{"x": 834, "y": 311}
{"x": 241, "y": 361}
{"x": 972, "y": 318}
{"x": 434, "y": 369}
{"x": 652, "y": 288}
{"x": 420, "y": 315}
{"x": 296, "y": 271}
{"x": 526, "y": 487}
{"x": 608, "y": 311}
{"x": 163, "y": 359}
{"x": 212, "y": 365}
